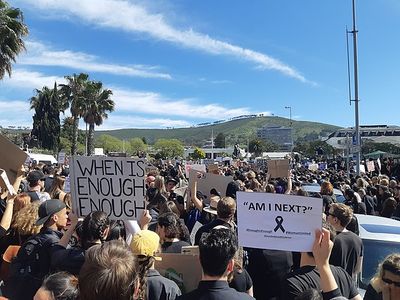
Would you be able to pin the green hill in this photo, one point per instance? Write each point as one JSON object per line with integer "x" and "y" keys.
{"x": 236, "y": 131}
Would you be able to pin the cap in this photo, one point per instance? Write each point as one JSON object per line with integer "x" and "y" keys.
{"x": 49, "y": 208}
{"x": 172, "y": 179}
{"x": 145, "y": 242}
{"x": 212, "y": 209}
{"x": 35, "y": 176}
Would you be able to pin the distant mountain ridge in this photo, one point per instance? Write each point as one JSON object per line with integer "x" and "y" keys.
{"x": 236, "y": 131}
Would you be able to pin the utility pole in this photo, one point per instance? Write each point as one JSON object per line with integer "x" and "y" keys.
{"x": 291, "y": 127}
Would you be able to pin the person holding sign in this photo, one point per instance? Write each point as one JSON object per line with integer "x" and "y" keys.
{"x": 308, "y": 277}
{"x": 217, "y": 251}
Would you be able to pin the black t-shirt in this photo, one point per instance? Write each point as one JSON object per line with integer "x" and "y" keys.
{"x": 307, "y": 277}
{"x": 267, "y": 269}
{"x": 241, "y": 281}
{"x": 372, "y": 294}
{"x": 173, "y": 247}
{"x": 348, "y": 247}
{"x": 208, "y": 227}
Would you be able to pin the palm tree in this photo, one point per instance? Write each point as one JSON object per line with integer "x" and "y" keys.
{"x": 73, "y": 93}
{"x": 12, "y": 29}
{"x": 98, "y": 103}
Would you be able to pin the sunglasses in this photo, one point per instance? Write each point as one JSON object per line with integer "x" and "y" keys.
{"x": 330, "y": 214}
{"x": 388, "y": 281}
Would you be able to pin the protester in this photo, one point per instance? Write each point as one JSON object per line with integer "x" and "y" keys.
{"x": 226, "y": 209}
{"x": 348, "y": 247}
{"x": 239, "y": 278}
{"x": 57, "y": 188}
{"x": 58, "y": 286}
{"x": 217, "y": 250}
{"x": 308, "y": 277}
{"x": 32, "y": 263}
{"x": 36, "y": 180}
{"x": 109, "y": 272}
{"x": 386, "y": 283}
{"x": 170, "y": 229}
{"x": 152, "y": 285}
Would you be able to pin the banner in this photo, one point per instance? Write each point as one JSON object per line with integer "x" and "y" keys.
{"x": 278, "y": 222}
{"x": 113, "y": 185}
{"x": 278, "y": 168}
{"x": 11, "y": 158}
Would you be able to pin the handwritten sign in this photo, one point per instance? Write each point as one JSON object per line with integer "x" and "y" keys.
{"x": 370, "y": 166}
{"x": 278, "y": 222}
{"x": 113, "y": 185}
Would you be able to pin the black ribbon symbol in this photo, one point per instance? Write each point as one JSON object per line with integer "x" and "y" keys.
{"x": 279, "y": 221}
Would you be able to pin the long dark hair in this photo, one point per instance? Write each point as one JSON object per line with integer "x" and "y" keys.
{"x": 93, "y": 228}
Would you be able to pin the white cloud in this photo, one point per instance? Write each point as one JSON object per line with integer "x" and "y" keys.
{"x": 117, "y": 122}
{"x": 131, "y": 17}
{"x": 15, "y": 113}
{"x": 42, "y": 55}
{"x": 157, "y": 104}
{"x": 25, "y": 79}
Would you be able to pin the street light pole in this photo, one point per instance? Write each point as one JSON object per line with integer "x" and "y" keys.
{"x": 356, "y": 100}
{"x": 291, "y": 127}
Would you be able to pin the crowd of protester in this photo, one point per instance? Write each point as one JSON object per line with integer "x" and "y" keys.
{"x": 48, "y": 253}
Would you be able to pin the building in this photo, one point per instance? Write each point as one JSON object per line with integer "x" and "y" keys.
{"x": 342, "y": 138}
{"x": 211, "y": 152}
{"x": 279, "y": 135}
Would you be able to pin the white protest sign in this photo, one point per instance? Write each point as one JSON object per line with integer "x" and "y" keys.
{"x": 6, "y": 182}
{"x": 362, "y": 169}
{"x": 207, "y": 161}
{"x": 197, "y": 167}
{"x": 195, "y": 228}
{"x": 313, "y": 167}
{"x": 370, "y": 166}
{"x": 278, "y": 222}
{"x": 67, "y": 184}
{"x": 61, "y": 158}
{"x": 113, "y": 185}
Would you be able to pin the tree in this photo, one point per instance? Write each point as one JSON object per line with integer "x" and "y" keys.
{"x": 219, "y": 141}
{"x": 137, "y": 146}
{"x": 169, "y": 148}
{"x": 109, "y": 143}
{"x": 310, "y": 149}
{"x": 73, "y": 93}
{"x": 46, "y": 120}
{"x": 257, "y": 146}
{"x": 97, "y": 104}
{"x": 198, "y": 153}
{"x": 12, "y": 30}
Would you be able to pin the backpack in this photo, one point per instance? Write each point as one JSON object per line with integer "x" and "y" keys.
{"x": 27, "y": 270}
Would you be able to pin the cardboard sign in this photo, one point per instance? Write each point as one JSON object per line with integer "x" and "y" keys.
{"x": 278, "y": 222}
{"x": 197, "y": 167}
{"x": 61, "y": 158}
{"x": 209, "y": 181}
{"x": 213, "y": 169}
{"x": 113, "y": 185}
{"x": 278, "y": 168}
{"x": 11, "y": 158}
{"x": 184, "y": 269}
{"x": 370, "y": 166}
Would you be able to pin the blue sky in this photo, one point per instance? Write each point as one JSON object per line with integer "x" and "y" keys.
{"x": 174, "y": 63}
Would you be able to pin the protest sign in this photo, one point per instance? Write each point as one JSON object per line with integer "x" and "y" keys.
{"x": 278, "y": 222}
{"x": 61, "y": 158}
{"x": 195, "y": 228}
{"x": 113, "y": 185}
{"x": 67, "y": 184}
{"x": 209, "y": 181}
{"x": 11, "y": 158}
{"x": 278, "y": 168}
{"x": 197, "y": 167}
{"x": 362, "y": 169}
{"x": 313, "y": 167}
{"x": 213, "y": 169}
{"x": 322, "y": 166}
{"x": 184, "y": 269}
{"x": 150, "y": 169}
{"x": 370, "y": 166}
{"x": 6, "y": 183}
